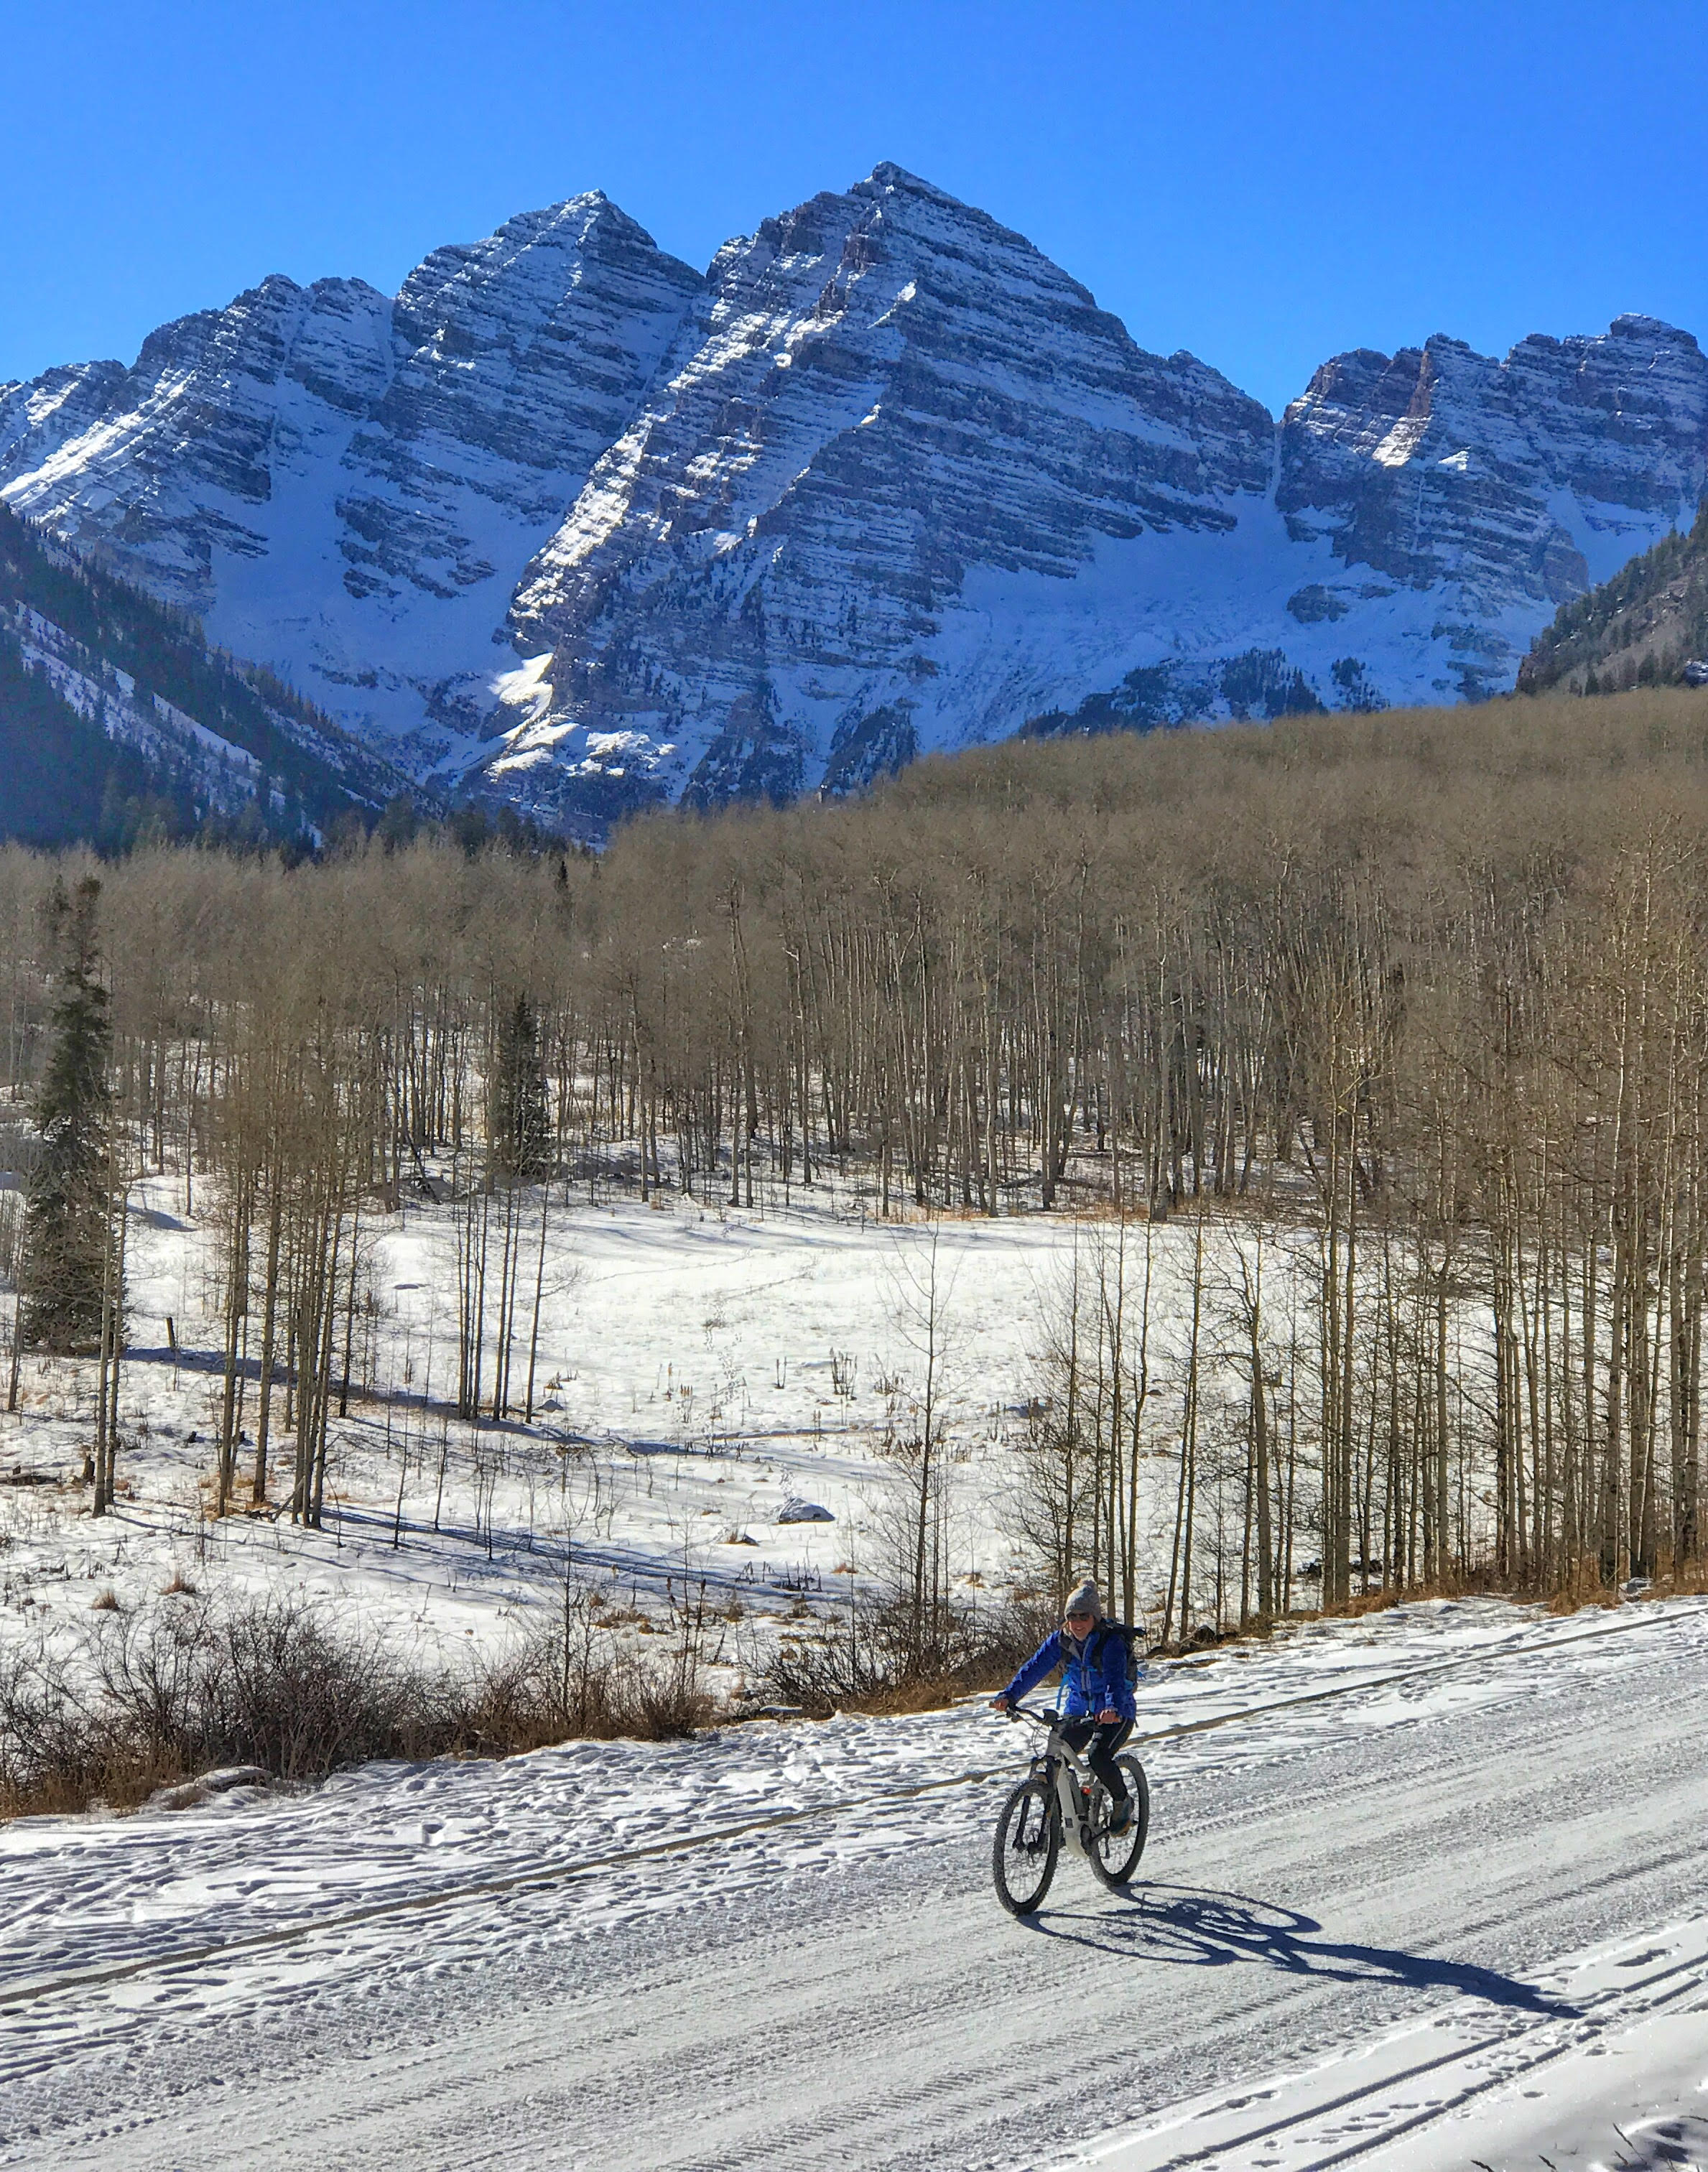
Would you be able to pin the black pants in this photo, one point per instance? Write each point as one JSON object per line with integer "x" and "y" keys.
{"x": 1105, "y": 1737}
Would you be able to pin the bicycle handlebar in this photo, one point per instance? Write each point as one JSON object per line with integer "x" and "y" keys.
{"x": 1041, "y": 1718}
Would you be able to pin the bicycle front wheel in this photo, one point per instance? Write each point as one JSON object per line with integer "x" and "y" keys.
{"x": 1115, "y": 1857}
{"x": 1028, "y": 1840}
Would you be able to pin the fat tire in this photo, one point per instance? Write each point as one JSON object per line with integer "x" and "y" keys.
{"x": 1014, "y": 1818}
{"x": 1114, "y": 1860}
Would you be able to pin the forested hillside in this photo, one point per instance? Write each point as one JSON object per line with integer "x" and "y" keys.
{"x": 117, "y": 721}
{"x": 1639, "y": 629}
{"x": 1406, "y": 1016}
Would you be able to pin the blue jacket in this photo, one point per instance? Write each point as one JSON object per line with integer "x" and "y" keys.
{"x": 1094, "y": 1673}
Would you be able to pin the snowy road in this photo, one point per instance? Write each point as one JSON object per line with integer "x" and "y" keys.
{"x": 1483, "y": 1796}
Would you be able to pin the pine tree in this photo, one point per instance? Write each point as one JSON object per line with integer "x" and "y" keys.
{"x": 66, "y": 1272}
{"x": 518, "y": 1125}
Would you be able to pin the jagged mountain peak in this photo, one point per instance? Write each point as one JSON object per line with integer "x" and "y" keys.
{"x": 886, "y": 175}
{"x": 346, "y": 486}
{"x": 1508, "y": 484}
{"x": 585, "y": 222}
{"x": 883, "y": 478}
{"x": 884, "y": 389}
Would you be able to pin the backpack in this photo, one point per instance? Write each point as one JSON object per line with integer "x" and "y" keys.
{"x": 1133, "y": 1637}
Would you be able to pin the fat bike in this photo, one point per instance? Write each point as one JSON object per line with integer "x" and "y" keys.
{"x": 1060, "y": 1798}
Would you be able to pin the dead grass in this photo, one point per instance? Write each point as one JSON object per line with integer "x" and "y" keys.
{"x": 1564, "y": 1603}
{"x": 875, "y": 1660}
{"x": 153, "y": 1699}
{"x": 1690, "y": 1580}
{"x": 934, "y": 1693}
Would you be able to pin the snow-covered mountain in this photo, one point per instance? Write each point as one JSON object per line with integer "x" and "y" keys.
{"x": 1500, "y": 488}
{"x": 347, "y": 486}
{"x": 886, "y": 404}
{"x": 886, "y": 480}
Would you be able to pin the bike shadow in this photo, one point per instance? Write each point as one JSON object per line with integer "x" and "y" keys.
{"x": 1192, "y": 1928}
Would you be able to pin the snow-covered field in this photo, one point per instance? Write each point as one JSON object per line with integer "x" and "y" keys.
{"x": 1425, "y": 1890}
{"x": 702, "y": 1375}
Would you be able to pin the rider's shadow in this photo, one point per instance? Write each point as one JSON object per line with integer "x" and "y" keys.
{"x": 1183, "y": 1927}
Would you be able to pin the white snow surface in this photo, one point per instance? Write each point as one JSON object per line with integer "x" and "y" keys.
{"x": 1424, "y": 1890}
{"x": 686, "y": 1391}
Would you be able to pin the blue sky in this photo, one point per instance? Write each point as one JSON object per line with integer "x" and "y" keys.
{"x": 1264, "y": 184}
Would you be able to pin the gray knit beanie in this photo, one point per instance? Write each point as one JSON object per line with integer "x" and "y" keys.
{"x": 1085, "y": 1600}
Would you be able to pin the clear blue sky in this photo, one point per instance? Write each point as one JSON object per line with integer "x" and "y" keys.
{"x": 1265, "y": 184}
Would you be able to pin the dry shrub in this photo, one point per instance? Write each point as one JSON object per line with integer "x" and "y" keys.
{"x": 278, "y": 1683}
{"x": 577, "y": 1679}
{"x": 1690, "y": 1581}
{"x": 1577, "y": 1602}
{"x": 872, "y": 1658}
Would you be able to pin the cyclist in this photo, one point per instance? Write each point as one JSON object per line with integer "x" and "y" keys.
{"x": 1092, "y": 1653}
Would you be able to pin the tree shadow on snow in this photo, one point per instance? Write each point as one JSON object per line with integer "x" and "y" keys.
{"x": 1183, "y": 1926}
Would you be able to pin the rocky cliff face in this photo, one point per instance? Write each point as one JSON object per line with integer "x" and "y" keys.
{"x": 571, "y": 524}
{"x": 1504, "y": 487}
{"x": 347, "y": 486}
{"x": 901, "y": 486}
{"x": 882, "y": 395}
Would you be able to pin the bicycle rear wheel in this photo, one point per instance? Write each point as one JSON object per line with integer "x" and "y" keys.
{"x": 1027, "y": 1842}
{"x": 1115, "y": 1857}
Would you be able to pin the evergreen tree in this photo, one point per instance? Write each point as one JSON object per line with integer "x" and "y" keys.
{"x": 65, "y": 1272}
{"x": 518, "y": 1126}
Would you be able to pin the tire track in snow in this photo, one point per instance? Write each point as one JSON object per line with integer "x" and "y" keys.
{"x": 1328, "y": 2125}
{"x": 896, "y": 2019}
{"x": 468, "y": 1891}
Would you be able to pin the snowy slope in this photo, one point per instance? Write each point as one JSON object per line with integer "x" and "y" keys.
{"x": 345, "y": 487}
{"x": 686, "y": 1357}
{"x": 1423, "y": 1880}
{"x": 1502, "y": 488}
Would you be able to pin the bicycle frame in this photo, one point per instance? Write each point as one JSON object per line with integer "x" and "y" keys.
{"x": 1073, "y": 1782}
